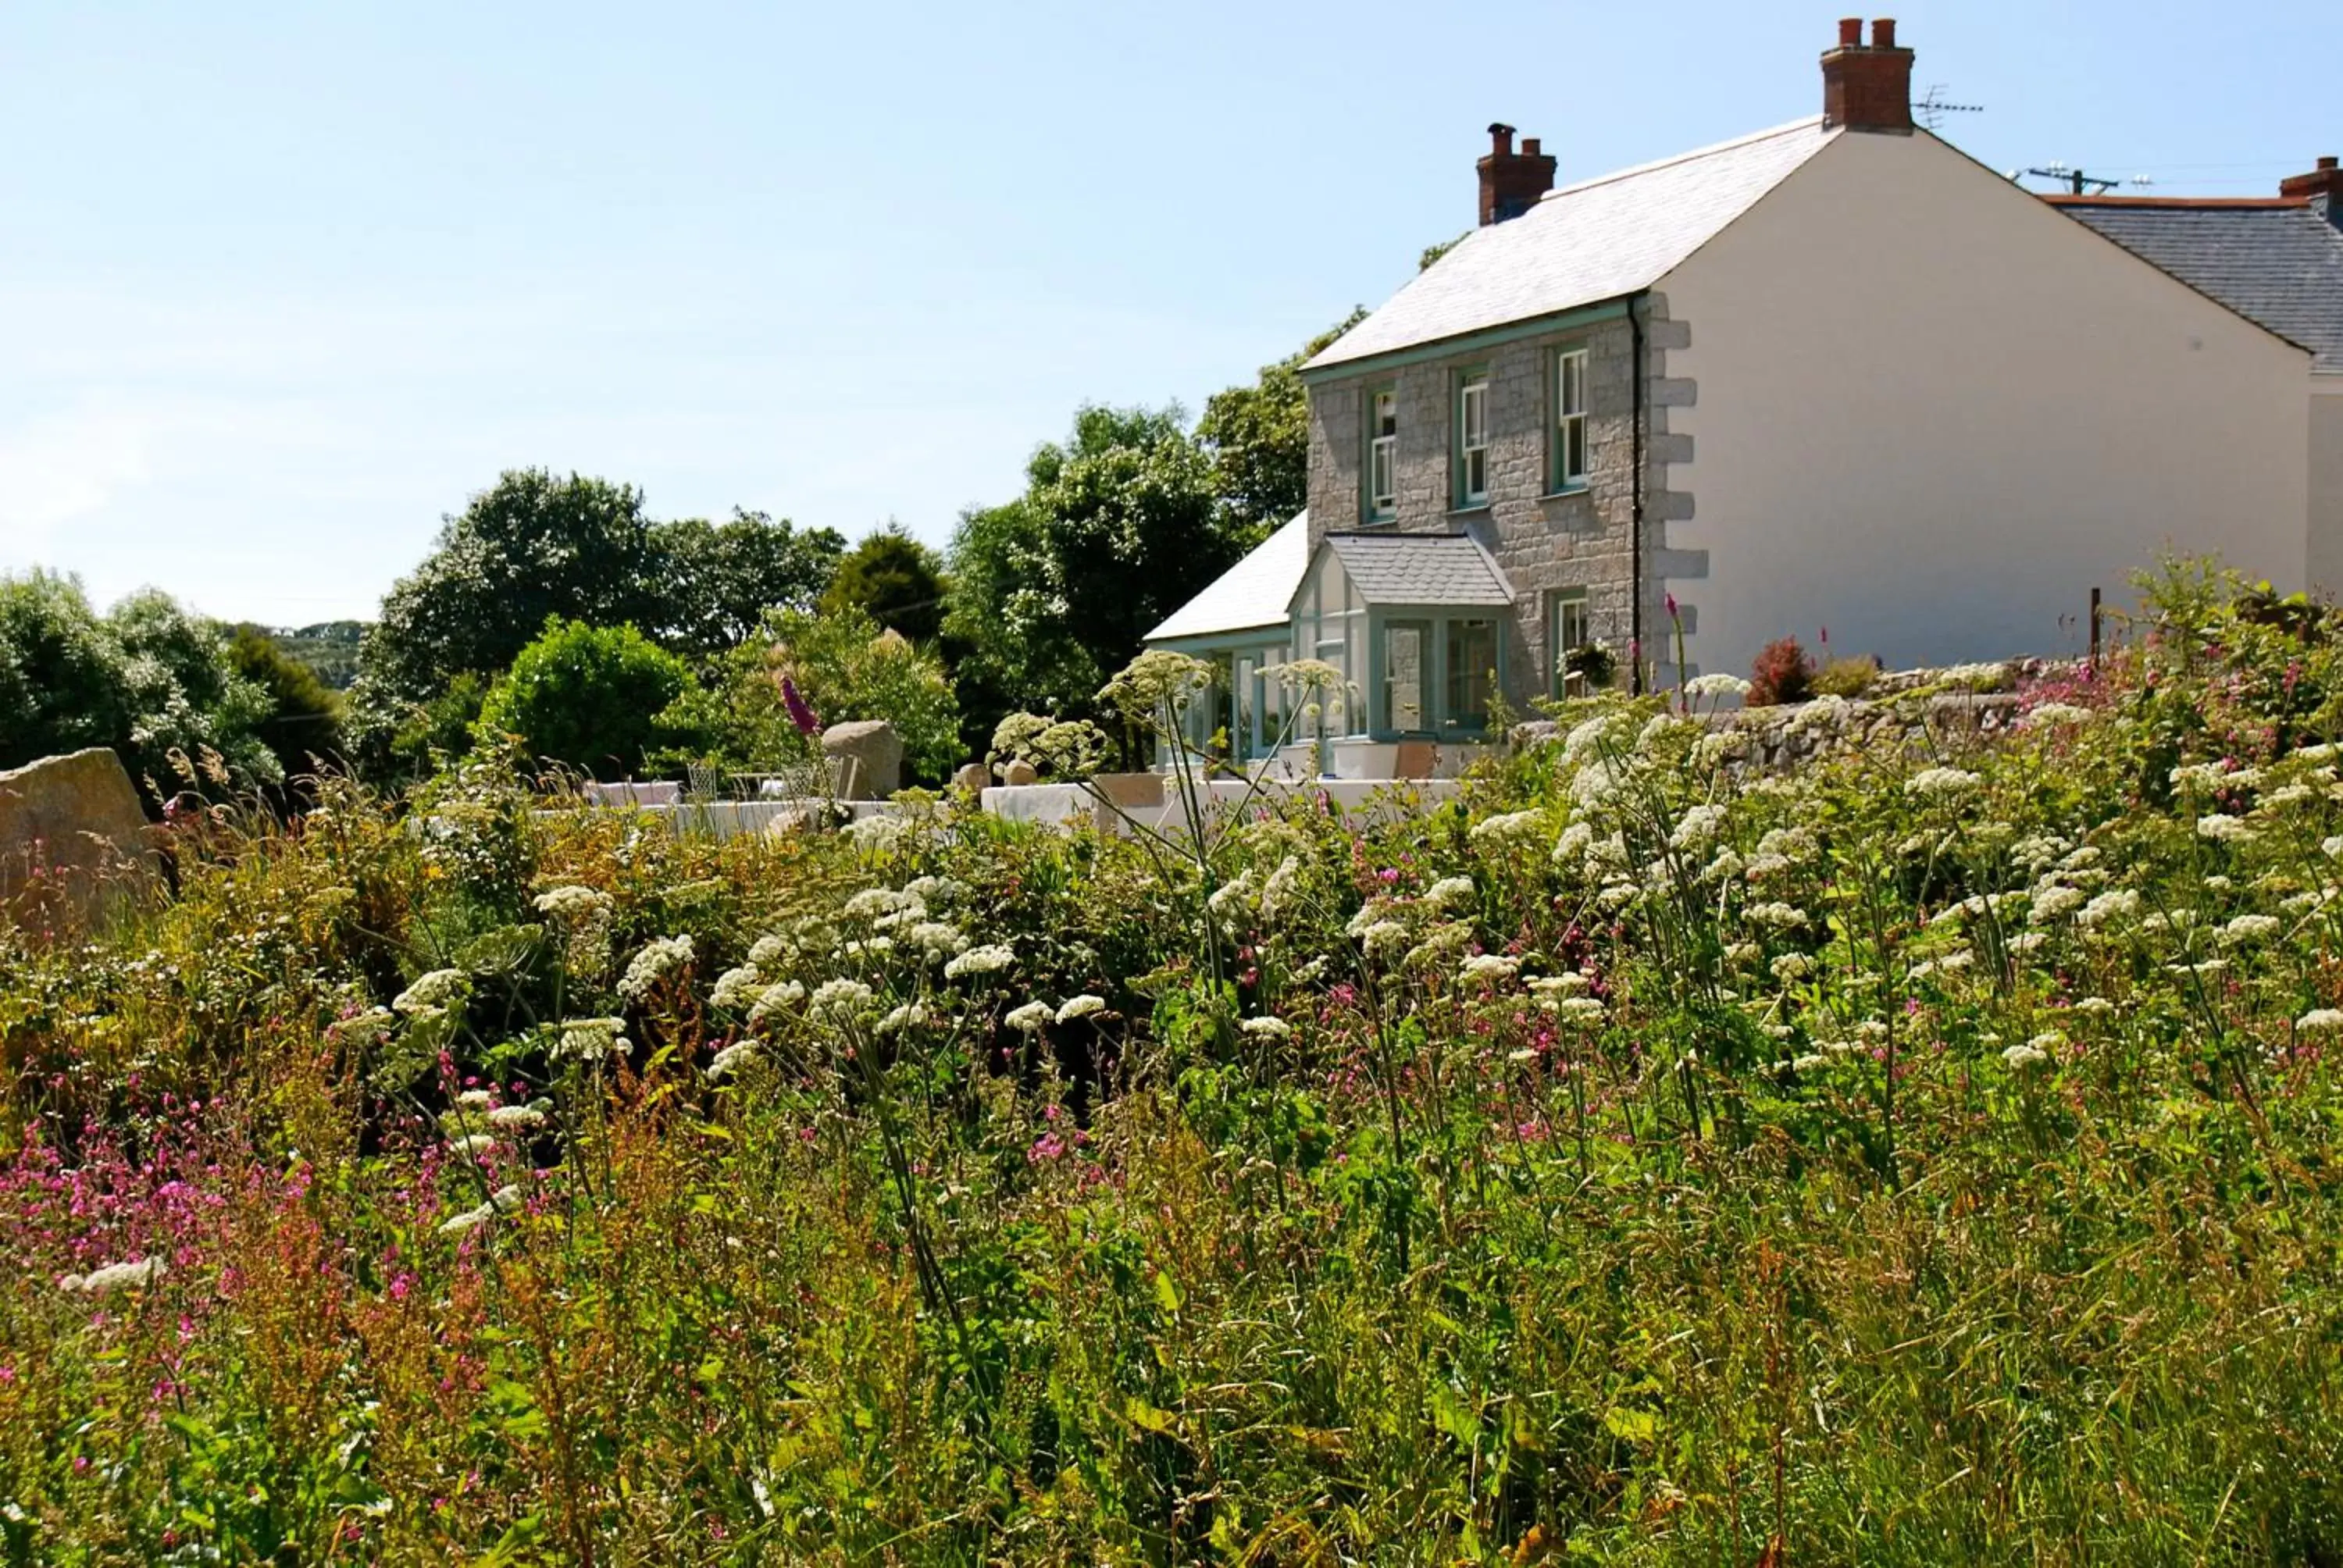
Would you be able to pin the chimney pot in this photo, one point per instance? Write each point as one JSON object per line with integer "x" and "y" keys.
{"x": 1867, "y": 89}
{"x": 1512, "y": 182}
{"x": 2325, "y": 163}
{"x": 2324, "y": 182}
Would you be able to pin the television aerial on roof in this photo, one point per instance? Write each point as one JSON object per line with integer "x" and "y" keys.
{"x": 1931, "y": 107}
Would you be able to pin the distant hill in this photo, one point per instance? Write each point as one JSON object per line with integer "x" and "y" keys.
{"x": 331, "y": 648}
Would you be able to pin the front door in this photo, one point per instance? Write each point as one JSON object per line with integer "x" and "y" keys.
{"x": 1407, "y": 645}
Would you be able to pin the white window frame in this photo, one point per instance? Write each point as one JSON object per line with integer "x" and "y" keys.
{"x": 1473, "y": 439}
{"x": 1570, "y": 426}
{"x": 1383, "y": 454}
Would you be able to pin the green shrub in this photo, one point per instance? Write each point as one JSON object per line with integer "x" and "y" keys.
{"x": 589, "y": 696}
{"x": 1849, "y": 678}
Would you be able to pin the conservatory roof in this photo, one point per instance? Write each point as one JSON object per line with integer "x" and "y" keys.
{"x": 1421, "y": 569}
{"x": 1251, "y": 595}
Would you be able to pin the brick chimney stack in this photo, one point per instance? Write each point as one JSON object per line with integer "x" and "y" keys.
{"x": 1512, "y": 182}
{"x": 1867, "y": 88}
{"x": 2324, "y": 182}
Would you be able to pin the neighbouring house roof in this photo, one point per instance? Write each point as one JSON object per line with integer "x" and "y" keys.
{"x": 2276, "y": 261}
{"x": 1583, "y": 244}
{"x": 1251, "y": 595}
{"x": 1421, "y": 569}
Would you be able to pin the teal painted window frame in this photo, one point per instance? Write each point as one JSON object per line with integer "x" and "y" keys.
{"x": 1370, "y": 511}
{"x": 1557, "y": 648}
{"x": 1440, "y": 722}
{"x": 1559, "y": 477}
{"x": 1462, "y": 496}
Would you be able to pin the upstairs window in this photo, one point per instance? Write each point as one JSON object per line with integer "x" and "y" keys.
{"x": 1382, "y": 456}
{"x": 1570, "y": 419}
{"x": 1473, "y": 439}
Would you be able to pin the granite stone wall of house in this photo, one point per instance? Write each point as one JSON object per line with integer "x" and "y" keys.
{"x": 1545, "y": 540}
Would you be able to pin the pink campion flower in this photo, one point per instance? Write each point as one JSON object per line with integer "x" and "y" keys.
{"x": 1670, "y": 600}
{"x": 801, "y": 713}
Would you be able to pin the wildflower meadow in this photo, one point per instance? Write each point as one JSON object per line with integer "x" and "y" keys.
{"x": 1914, "y": 1156}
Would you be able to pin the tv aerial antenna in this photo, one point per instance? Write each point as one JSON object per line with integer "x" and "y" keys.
{"x": 1933, "y": 106}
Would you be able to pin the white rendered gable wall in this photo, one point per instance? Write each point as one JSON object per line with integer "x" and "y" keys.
{"x": 1931, "y": 414}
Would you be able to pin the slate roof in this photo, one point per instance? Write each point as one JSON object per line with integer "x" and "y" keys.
{"x": 1421, "y": 569}
{"x": 1253, "y": 593}
{"x": 1583, "y": 244}
{"x": 2279, "y": 262}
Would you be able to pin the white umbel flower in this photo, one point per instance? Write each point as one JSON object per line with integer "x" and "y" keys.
{"x": 1081, "y": 1006}
{"x": 989, "y": 958}
{"x": 1030, "y": 1018}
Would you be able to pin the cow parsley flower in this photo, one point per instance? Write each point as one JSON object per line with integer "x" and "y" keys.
{"x": 660, "y": 957}
{"x": 2223, "y": 828}
{"x": 516, "y": 1118}
{"x": 431, "y": 992}
{"x": 1451, "y": 892}
{"x": 2115, "y": 904}
{"x": 2250, "y": 929}
{"x": 2052, "y": 904}
{"x": 592, "y": 1038}
{"x": 1942, "y": 782}
{"x": 1488, "y": 968}
{"x": 468, "y": 1220}
{"x": 1571, "y": 847}
{"x": 775, "y": 999}
{"x": 2321, "y": 1020}
{"x": 572, "y": 903}
{"x": 1716, "y": 685}
{"x": 1777, "y": 914}
{"x": 737, "y": 987}
{"x": 1584, "y": 1010}
{"x": 374, "y": 1023}
{"x": 1271, "y": 1029}
{"x": 840, "y": 999}
{"x": 1030, "y": 1018}
{"x": 937, "y": 940}
{"x": 727, "y": 1062}
{"x": 909, "y": 1015}
{"x": 1508, "y": 831}
{"x": 2020, "y": 1057}
{"x": 2052, "y": 713}
{"x": 1570, "y": 982}
{"x": 1791, "y": 967}
{"x": 1697, "y": 827}
{"x": 989, "y": 958}
{"x": 1081, "y": 1006}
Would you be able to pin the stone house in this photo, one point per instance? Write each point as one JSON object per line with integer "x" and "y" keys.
{"x": 1832, "y": 375}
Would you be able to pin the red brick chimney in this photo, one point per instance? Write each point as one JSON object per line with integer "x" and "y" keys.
{"x": 1867, "y": 88}
{"x": 2326, "y": 180}
{"x": 1512, "y": 182}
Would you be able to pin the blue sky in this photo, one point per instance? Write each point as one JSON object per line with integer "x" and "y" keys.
{"x": 280, "y": 285}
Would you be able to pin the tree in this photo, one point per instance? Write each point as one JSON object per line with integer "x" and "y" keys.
{"x": 1118, "y": 526}
{"x": 528, "y": 547}
{"x": 588, "y": 696}
{"x": 61, "y": 683}
{"x": 1258, "y": 438}
{"x": 717, "y": 580}
{"x": 533, "y": 545}
{"x": 894, "y": 579}
{"x": 305, "y": 716}
{"x": 147, "y": 678}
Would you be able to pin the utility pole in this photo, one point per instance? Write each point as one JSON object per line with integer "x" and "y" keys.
{"x": 2074, "y": 179}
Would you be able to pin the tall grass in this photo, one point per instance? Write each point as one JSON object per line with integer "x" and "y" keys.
{"x": 1916, "y": 1159}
